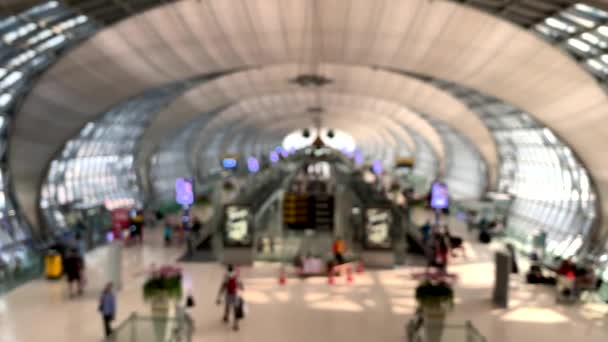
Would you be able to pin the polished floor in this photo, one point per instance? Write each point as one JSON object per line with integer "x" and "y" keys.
{"x": 374, "y": 307}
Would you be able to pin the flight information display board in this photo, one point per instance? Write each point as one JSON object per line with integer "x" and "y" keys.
{"x": 237, "y": 225}
{"x": 378, "y": 228}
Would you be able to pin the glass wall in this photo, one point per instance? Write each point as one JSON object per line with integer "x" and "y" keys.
{"x": 97, "y": 168}
{"x": 464, "y": 171}
{"x": 171, "y": 161}
{"x": 550, "y": 186}
{"x": 426, "y": 166}
{"x": 582, "y": 31}
{"x": 29, "y": 43}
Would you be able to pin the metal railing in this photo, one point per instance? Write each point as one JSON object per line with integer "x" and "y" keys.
{"x": 11, "y": 278}
{"x": 139, "y": 328}
{"x": 448, "y": 332}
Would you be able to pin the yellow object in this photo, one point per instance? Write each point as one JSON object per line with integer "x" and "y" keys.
{"x": 53, "y": 267}
{"x": 405, "y": 162}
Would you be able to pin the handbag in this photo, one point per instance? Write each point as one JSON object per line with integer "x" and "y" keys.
{"x": 239, "y": 310}
{"x": 190, "y": 302}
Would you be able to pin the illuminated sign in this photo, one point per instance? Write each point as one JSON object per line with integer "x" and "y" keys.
{"x": 274, "y": 157}
{"x": 377, "y": 167}
{"x": 439, "y": 196}
{"x": 237, "y": 225}
{"x": 359, "y": 157}
{"x": 283, "y": 152}
{"x": 184, "y": 191}
{"x": 229, "y": 163}
{"x": 253, "y": 164}
{"x": 377, "y": 228}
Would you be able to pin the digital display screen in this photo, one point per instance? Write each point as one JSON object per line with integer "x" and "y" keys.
{"x": 377, "y": 228}
{"x": 229, "y": 163}
{"x": 439, "y": 196}
{"x": 238, "y": 231}
{"x": 184, "y": 191}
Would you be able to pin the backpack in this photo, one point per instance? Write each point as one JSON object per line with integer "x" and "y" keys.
{"x": 190, "y": 301}
{"x": 232, "y": 284}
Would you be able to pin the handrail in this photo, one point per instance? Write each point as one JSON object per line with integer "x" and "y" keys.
{"x": 138, "y": 328}
{"x": 468, "y": 333}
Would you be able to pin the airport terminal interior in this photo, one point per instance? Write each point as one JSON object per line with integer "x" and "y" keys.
{"x": 304, "y": 170}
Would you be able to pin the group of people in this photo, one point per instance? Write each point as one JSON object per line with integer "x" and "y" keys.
{"x": 487, "y": 228}
{"x": 439, "y": 244}
{"x": 574, "y": 279}
{"x": 229, "y": 294}
{"x": 177, "y": 232}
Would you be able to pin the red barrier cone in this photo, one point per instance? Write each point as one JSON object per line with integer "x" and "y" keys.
{"x": 282, "y": 278}
{"x": 330, "y": 279}
{"x": 349, "y": 274}
{"x": 360, "y": 267}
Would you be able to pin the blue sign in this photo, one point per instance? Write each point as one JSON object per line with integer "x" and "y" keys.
{"x": 229, "y": 163}
{"x": 439, "y": 196}
{"x": 184, "y": 192}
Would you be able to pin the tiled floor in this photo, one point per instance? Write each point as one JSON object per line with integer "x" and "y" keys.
{"x": 374, "y": 307}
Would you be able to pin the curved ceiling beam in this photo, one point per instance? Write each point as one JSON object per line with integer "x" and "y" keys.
{"x": 344, "y": 79}
{"x": 296, "y": 103}
{"x": 210, "y": 150}
{"x": 248, "y": 137}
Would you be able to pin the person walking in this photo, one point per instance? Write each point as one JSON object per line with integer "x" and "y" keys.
{"x": 168, "y": 232}
{"x": 338, "y": 249}
{"x": 197, "y": 227}
{"x": 442, "y": 250}
{"x": 74, "y": 271}
{"x": 107, "y": 308}
{"x": 230, "y": 287}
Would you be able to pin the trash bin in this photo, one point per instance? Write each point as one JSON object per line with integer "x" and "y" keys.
{"x": 53, "y": 265}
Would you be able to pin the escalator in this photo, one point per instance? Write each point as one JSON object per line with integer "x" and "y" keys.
{"x": 235, "y": 223}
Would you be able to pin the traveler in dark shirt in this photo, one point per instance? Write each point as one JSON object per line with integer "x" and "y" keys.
{"x": 73, "y": 271}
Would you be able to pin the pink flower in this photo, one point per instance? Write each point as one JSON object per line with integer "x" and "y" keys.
{"x": 166, "y": 271}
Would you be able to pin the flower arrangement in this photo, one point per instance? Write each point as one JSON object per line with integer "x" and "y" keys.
{"x": 165, "y": 281}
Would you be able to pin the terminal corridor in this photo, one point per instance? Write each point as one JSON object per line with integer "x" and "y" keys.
{"x": 296, "y": 170}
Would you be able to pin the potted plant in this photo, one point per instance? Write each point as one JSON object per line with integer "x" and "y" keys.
{"x": 163, "y": 286}
{"x": 435, "y": 298}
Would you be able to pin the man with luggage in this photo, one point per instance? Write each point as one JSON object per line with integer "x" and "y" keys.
{"x": 230, "y": 287}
